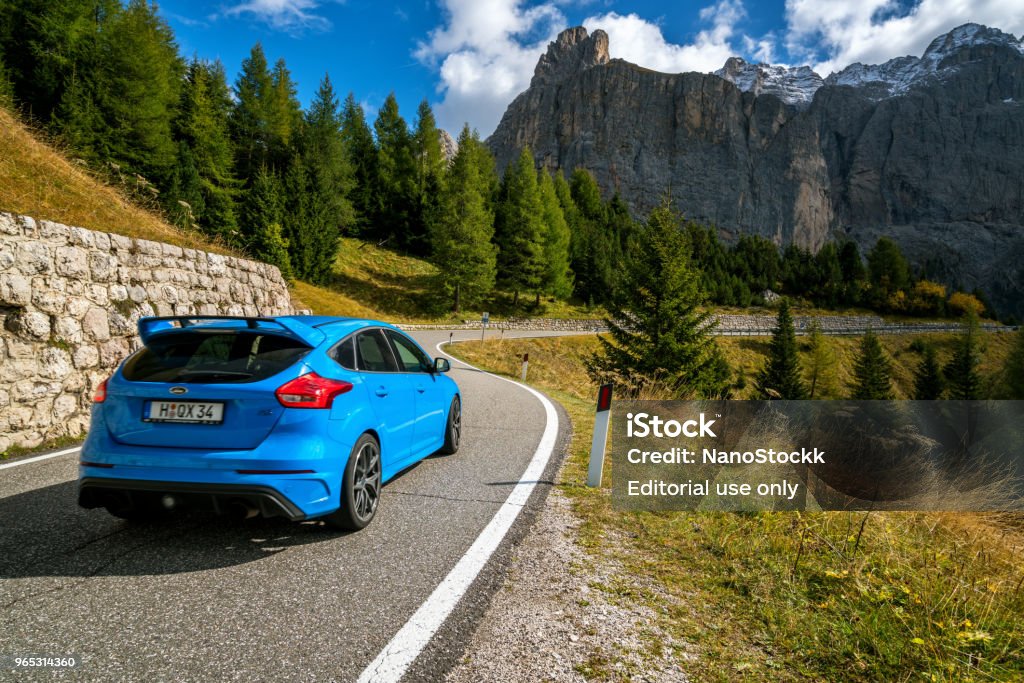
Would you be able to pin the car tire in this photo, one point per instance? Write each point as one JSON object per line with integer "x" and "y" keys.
{"x": 360, "y": 487}
{"x": 453, "y": 428}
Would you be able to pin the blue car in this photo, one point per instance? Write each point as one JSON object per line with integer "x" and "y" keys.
{"x": 297, "y": 416}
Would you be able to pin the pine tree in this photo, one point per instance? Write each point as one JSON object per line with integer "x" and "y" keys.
{"x": 396, "y": 186}
{"x": 962, "y": 377}
{"x": 888, "y": 270}
{"x": 262, "y": 211}
{"x": 430, "y": 170}
{"x": 183, "y": 199}
{"x": 871, "y": 371}
{"x": 557, "y": 280}
{"x": 659, "y": 333}
{"x": 326, "y": 212}
{"x": 591, "y": 249}
{"x": 462, "y": 230}
{"x": 1012, "y": 384}
{"x": 284, "y": 114}
{"x": 929, "y": 383}
{"x": 821, "y": 364}
{"x": 250, "y": 118}
{"x": 781, "y": 377}
{"x": 202, "y": 126}
{"x": 362, "y": 153}
{"x": 519, "y": 229}
{"x": 139, "y": 91}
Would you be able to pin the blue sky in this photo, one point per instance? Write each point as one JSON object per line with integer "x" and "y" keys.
{"x": 469, "y": 58}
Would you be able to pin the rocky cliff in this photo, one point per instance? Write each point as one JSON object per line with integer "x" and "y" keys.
{"x": 929, "y": 150}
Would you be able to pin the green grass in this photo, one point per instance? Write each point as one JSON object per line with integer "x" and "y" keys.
{"x": 52, "y": 444}
{"x": 795, "y": 596}
{"x": 376, "y": 282}
{"x": 38, "y": 180}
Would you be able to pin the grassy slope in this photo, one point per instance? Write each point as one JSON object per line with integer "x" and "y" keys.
{"x": 873, "y": 597}
{"x": 37, "y": 180}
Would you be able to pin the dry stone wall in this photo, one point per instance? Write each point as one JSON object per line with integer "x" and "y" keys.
{"x": 70, "y": 299}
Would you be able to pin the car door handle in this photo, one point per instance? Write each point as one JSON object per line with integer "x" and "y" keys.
{"x": 420, "y": 388}
{"x": 382, "y": 391}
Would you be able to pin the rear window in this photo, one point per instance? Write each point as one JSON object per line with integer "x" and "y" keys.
{"x": 212, "y": 357}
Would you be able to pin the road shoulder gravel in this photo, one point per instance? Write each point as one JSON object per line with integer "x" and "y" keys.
{"x": 555, "y": 619}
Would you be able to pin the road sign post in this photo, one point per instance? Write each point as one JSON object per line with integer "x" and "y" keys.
{"x": 599, "y": 443}
{"x": 526, "y": 364}
{"x": 483, "y": 327}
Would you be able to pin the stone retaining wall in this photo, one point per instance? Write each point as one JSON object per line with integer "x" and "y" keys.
{"x": 69, "y": 302}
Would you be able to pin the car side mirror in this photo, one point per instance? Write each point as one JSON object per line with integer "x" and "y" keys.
{"x": 442, "y": 365}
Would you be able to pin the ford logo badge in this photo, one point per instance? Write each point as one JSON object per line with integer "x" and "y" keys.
{"x": 179, "y": 390}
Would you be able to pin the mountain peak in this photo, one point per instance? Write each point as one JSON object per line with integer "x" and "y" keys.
{"x": 793, "y": 85}
{"x": 571, "y": 52}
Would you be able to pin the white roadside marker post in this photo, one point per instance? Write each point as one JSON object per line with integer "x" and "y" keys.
{"x": 526, "y": 364}
{"x": 483, "y": 326}
{"x": 600, "y": 441}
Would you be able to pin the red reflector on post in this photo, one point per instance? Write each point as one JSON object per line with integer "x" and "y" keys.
{"x": 311, "y": 391}
{"x": 604, "y": 398}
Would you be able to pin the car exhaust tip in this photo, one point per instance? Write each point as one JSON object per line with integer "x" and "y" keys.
{"x": 240, "y": 509}
{"x": 168, "y": 502}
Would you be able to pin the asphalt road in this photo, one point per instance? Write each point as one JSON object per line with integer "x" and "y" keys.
{"x": 204, "y": 598}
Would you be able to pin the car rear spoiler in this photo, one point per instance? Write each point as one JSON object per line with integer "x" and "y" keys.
{"x": 152, "y": 326}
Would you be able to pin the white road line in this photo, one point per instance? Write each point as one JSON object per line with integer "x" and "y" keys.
{"x": 26, "y": 461}
{"x": 396, "y": 657}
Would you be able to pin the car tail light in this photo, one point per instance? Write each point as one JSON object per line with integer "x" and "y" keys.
{"x": 100, "y": 394}
{"x": 311, "y": 391}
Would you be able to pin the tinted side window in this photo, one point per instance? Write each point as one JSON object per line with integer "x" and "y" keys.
{"x": 345, "y": 354}
{"x": 410, "y": 357}
{"x": 204, "y": 357}
{"x": 373, "y": 353}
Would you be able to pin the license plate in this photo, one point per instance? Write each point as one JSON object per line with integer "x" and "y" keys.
{"x": 190, "y": 412}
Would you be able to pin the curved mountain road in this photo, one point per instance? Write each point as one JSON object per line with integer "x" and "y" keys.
{"x": 206, "y": 598}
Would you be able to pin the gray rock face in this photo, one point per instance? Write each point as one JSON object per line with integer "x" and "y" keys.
{"x": 449, "y": 148}
{"x": 934, "y": 158}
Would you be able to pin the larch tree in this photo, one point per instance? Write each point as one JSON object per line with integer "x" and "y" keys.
{"x": 362, "y": 153}
{"x": 250, "y": 118}
{"x": 781, "y": 377}
{"x": 202, "y": 127}
{"x": 396, "y": 172}
{"x": 519, "y": 229}
{"x": 430, "y": 166}
{"x": 557, "y": 279}
{"x": 871, "y": 371}
{"x": 461, "y": 232}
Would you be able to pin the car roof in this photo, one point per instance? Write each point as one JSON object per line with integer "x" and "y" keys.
{"x": 336, "y": 326}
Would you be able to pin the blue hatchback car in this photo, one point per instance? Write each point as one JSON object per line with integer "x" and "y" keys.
{"x": 296, "y": 416}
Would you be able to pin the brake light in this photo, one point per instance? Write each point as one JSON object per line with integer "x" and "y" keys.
{"x": 311, "y": 391}
{"x": 100, "y": 393}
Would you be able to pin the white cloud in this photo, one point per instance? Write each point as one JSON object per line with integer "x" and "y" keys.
{"x": 486, "y": 53}
{"x": 487, "y": 50}
{"x": 874, "y": 31}
{"x": 639, "y": 41}
{"x": 290, "y": 16}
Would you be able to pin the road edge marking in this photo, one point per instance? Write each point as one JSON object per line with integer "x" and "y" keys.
{"x": 406, "y": 645}
{"x": 39, "y": 458}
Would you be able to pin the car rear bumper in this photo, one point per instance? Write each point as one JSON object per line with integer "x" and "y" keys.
{"x": 96, "y": 492}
